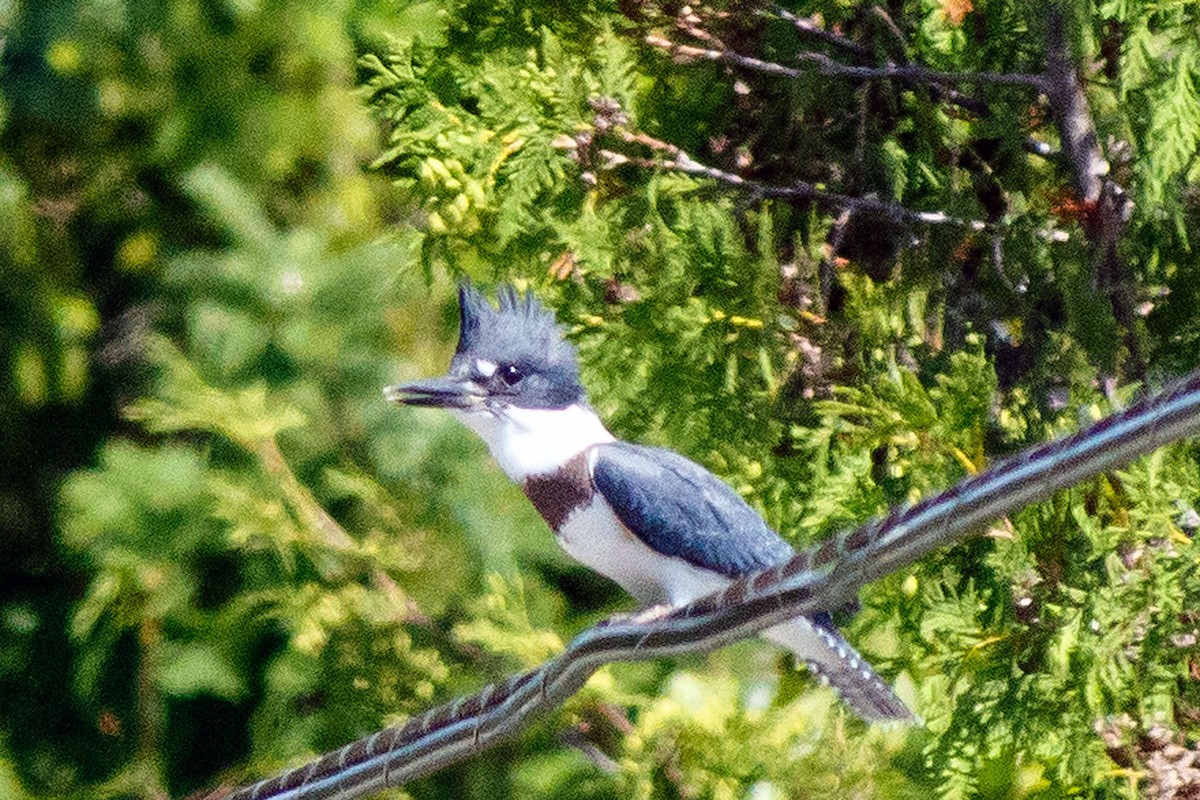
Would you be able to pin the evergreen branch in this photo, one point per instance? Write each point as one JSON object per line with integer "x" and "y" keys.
{"x": 936, "y": 81}
{"x": 314, "y": 516}
{"x": 825, "y": 576}
{"x": 331, "y": 534}
{"x": 676, "y": 160}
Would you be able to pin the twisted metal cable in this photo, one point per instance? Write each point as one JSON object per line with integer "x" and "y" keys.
{"x": 824, "y": 576}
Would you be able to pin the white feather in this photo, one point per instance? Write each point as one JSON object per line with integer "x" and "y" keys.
{"x": 594, "y": 537}
{"x": 534, "y": 441}
{"x": 526, "y": 442}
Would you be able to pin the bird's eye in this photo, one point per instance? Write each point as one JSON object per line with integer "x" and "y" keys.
{"x": 511, "y": 374}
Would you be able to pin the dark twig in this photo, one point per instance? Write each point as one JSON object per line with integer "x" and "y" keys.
{"x": 885, "y": 19}
{"x": 910, "y": 74}
{"x": 862, "y": 53}
{"x": 675, "y": 159}
{"x": 824, "y": 65}
{"x": 812, "y": 29}
{"x": 951, "y": 95}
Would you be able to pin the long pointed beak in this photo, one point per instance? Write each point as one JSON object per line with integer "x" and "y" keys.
{"x": 436, "y": 393}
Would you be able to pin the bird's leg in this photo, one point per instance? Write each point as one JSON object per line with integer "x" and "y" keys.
{"x": 651, "y": 613}
{"x": 648, "y": 614}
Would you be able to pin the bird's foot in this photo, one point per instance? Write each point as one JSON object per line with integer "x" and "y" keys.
{"x": 648, "y": 614}
{"x": 651, "y": 613}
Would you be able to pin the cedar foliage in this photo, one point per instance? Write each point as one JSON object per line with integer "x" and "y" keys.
{"x": 229, "y": 553}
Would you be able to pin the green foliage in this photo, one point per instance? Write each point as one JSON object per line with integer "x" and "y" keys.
{"x": 489, "y": 176}
{"x": 230, "y": 554}
{"x": 1160, "y": 73}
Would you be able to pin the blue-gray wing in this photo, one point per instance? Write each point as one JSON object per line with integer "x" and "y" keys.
{"x": 678, "y": 508}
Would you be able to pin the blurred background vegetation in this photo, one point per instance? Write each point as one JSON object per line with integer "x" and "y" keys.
{"x": 226, "y": 224}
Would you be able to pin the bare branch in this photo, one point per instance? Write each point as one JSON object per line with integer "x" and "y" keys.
{"x": 946, "y": 93}
{"x": 822, "y": 577}
{"x": 943, "y": 92}
{"x": 1080, "y": 142}
{"x": 810, "y": 28}
{"x": 825, "y": 65}
{"x": 676, "y": 160}
{"x": 1107, "y": 206}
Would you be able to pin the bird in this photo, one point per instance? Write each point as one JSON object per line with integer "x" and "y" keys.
{"x": 656, "y": 523}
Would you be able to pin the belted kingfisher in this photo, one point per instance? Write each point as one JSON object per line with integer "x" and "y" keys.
{"x": 661, "y": 526}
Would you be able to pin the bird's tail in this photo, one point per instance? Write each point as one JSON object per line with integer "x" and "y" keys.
{"x": 817, "y": 642}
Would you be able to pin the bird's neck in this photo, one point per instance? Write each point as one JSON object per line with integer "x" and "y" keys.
{"x": 528, "y": 442}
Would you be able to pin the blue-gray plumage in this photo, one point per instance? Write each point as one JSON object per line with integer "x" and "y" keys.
{"x": 682, "y": 510}
{"x": 658, "y": 524}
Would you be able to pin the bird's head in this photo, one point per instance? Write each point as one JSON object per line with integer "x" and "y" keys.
{"x": 513, "y": 356}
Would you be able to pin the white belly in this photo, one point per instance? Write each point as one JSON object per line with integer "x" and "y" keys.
{"x": 597, "y": 539}
{"x": 594, "y": 537}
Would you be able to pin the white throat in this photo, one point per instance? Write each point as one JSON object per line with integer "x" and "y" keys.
{"x": 526, "y": 441}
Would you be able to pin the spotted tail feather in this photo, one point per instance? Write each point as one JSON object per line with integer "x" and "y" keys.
{"x": 825, "y": 651}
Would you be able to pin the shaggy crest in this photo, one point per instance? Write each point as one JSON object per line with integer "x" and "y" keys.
{"x": 521, "y": 331}
{"x": 521, "y": 326}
